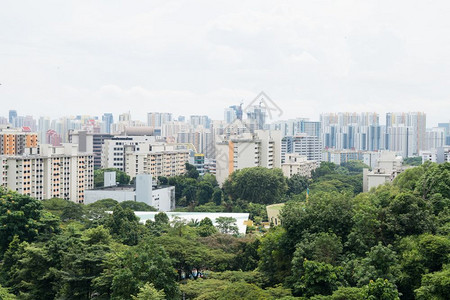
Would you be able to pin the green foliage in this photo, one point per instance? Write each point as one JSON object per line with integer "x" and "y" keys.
{"x": 124, "y": 225}
{"x": 23, "y": 216}
{"x": 257, "y": 185}
{"x": 149, "y": 292}
{"x": 435, "y": 285}
{"x": 297, "y": 184}
{"x": 381, "y": 289}
{"x": 191, "y": 171}
{"x": 412, "y": 161}
{"x": 99, "y": 176}
{"x": 5, "y": 295}
{"x": 204, "y": 192}
{"x": 319, "y": 278}
{"x": 227, "y": 225}
{"x": 136, "y": 206}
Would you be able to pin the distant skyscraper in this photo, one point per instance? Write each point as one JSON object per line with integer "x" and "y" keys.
{"x": 12, "y": 117}
{"x": 256, "y": 116}
{"x": 415, "y": 131}
{"x": 200, "y": 120}
{"x": 232, "y": 113}
{"x": 157, "y": 119}
{"x": 108, "y": 120}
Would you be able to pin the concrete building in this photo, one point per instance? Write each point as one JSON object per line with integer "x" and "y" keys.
{"x": 90, "y": 143}
{"x": 302, "y": 144}
{"x": 155, "y": 159}
{"x": 435, "y": 138}
{"x": 49, "y": 172}
{"x": 297, "y": 126}
{"x": 298, "y": 164}
{"x": 388, "y": 167}
{"x": 406, "y": 132}
{"x": 341, "y": 156}
{"x": 235, "y": 152}
{"x": 113, "y": 150}
{"x": 161, "y": 198}
{"x": 108, "y": 120}
{"x": 158, "y": 119}
{"x": 438, "y": 155}
{"x": 15, "y": 141}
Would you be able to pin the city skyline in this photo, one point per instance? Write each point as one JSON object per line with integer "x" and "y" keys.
{"x": 196, "y": 58}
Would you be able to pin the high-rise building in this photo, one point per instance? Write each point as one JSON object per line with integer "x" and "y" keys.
{"x": 14, "y": 141}
{"x": 256, "y": 117}
{"x": 90, "y": 143}
{"x": 233, "y": 113}
{"x": 302, "y": 144}
{"x": 296, "y": 126}
{"x": 12, "y": 117}
{"x": 235, "y": 152}
{"x": 108, "y": 120}
{"x": 113, "y": 150}
{"x": 51, "y": 172}
{"x": 446, "y": 127}
{"x": 410, "y": 132}
{"x": 154, "y": 159}
{"x": 203, "y": 121}
{"x": 53, "y": 138}
{"x": 157, "y": 119}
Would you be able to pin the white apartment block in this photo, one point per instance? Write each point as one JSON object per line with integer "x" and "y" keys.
{"x": 113, "y": 150}
{"x": 50, "y": 172}
{"x": 298, "y": 164}
{"x": 155, "y": 159}
{"x": 302, "y": 144}
{"x": 246, "y": 150}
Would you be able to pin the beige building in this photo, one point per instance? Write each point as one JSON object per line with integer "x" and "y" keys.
{"x": 246, "y": 150}
{"x": 155, "y": 159}
{"x": 15, "y": 141}
{"x": 50, "y": 172}
{"x": 298, "y": 164}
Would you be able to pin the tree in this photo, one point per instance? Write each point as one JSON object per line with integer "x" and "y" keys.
{"x": 435, "y": 285}
{"x": 319, "y": 279}
{"x": 381, "y": 289}
{"x": 227, "y": 225}
{"x": 23, "y": 216}
{"x": 137, "y": 206}
{"x": 136, "y": 266}
{"x": 206, "y": 227}
{"x": 149, "y": 292}
{"x": 297, "y": 184}
{"x": 217, "y": 196}
{"x": 162, "y": 180}
{"x": 5, "y": 295}
{"x": 204, "y": 192}
{"x": 124, "y": 225}
{"x": 275, "y": 257}
{"x": 380, "y": 262}
{"x": 324, "y": 212}
{"x": 72, "y": 211}
{"x": 99, "y": 176}
{"x": 191, "y": 171}
{"x": 257, "y": 185}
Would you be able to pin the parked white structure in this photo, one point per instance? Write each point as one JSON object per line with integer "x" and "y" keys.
{"x": 245, "y": 150}
{"x": 298, "y": 164}
{"x": 49, "y": 172}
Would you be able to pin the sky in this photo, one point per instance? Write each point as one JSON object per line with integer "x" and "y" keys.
{"x": 82, "y": 57}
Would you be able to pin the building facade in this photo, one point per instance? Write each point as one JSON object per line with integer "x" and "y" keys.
{"x": 50, "y": 172}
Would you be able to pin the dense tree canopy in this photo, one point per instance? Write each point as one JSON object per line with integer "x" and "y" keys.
{"x": 334, "y": 244}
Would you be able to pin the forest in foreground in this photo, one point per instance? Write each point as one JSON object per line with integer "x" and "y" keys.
{"x": 339, "y": 243}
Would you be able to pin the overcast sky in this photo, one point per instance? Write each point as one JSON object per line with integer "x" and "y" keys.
{"x": 197, "y": 57}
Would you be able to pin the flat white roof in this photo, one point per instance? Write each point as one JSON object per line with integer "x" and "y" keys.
{"x": 188, "y": 216}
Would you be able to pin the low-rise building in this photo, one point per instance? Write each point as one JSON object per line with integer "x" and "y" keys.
{"x": 388, "y": 167}
{"x": 298, "y": 164}
{"x": 162, "y": 198}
